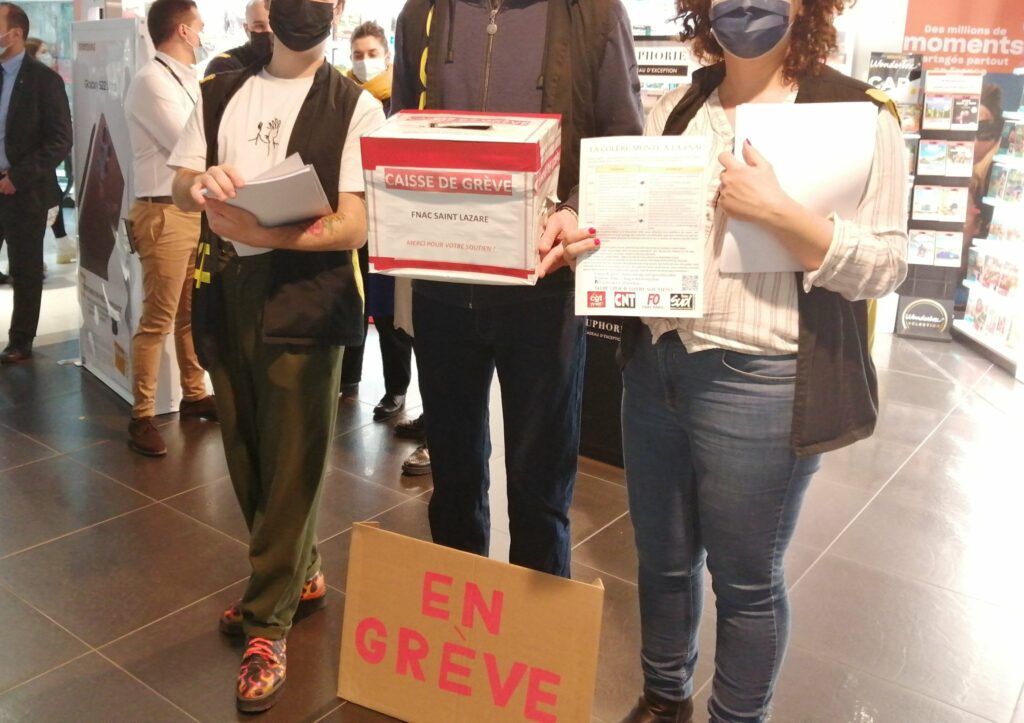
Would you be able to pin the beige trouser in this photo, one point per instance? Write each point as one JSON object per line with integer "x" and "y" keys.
{"x": 166, "y": 239}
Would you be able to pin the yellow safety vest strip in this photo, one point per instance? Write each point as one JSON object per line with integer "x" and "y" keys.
{"x": 423, "y": 61}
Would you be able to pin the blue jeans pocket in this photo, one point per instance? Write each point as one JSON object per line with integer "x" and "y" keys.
{"x": 761, "y": 369}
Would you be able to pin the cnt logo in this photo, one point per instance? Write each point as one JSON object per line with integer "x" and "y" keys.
{"x": 595, "y": 300}
{"x": 625, "y": 300}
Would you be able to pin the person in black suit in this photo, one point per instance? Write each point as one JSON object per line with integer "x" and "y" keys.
{"x": 35, "y": 136}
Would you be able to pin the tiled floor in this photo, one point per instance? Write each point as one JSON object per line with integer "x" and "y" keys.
{"x": 113, "y": 568}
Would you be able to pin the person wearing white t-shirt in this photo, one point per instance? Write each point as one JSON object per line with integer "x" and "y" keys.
{"x": 273, "y": 308}
{"x": 160, "y": 100}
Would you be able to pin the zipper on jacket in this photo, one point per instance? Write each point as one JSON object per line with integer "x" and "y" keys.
{"x": 492, "y": 30}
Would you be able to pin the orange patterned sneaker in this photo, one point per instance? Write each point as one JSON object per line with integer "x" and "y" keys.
{"x": 261, "y": 676}
{"x": 313, "y": 598}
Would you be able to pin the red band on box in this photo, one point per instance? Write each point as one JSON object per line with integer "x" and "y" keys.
{"x": 382, "y": 263}
{"x": 466, "y": 182}
{"x": 470, "y": 155}
{"x": 480, "y": 114}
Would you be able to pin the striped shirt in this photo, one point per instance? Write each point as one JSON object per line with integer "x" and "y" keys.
{"x": 756, "y": 313}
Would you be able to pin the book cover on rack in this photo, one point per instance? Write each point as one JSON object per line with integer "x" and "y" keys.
{"x": 898, "y": 75}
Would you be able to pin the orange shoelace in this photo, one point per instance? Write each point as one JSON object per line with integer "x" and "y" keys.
{"x": 261, "y": 647}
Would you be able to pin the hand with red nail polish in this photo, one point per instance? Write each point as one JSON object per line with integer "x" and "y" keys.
{"x": 572, "y": 243}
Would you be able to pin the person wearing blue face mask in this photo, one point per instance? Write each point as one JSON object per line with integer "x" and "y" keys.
{"x": 725, "y": 417}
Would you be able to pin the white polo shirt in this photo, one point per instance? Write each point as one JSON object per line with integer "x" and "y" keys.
{"x": 160, "y": 101}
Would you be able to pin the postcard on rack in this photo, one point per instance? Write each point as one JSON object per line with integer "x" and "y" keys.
{"x": 795, "y": 138}
{"x": 646, "y": 198}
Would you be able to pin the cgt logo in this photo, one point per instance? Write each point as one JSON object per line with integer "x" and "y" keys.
{"x": 595, "y": 300}
{"x": 625, "y": 300}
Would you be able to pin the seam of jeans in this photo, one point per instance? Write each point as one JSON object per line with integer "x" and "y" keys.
{"x": 775, "y": 556}
{"x": 756, "y": 377}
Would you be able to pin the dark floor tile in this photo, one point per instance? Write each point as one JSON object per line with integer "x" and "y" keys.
{"x": 352, "y": 415}
{"x": 409, "y": 519}
{"x": 16, "y": 449}
{"x": 70, "y": 422}
{"x": 189, "y": 662}
{"x": 619, "y": 677}
{"x": 88, "y": 689}
{"x": 968, "y": 552}
{"x": 352, "y": 713}
{"x": 603, "y": 471}
{"x": 812, "y": 688}
{"x": 827, "y": 509}
{"x": 595, "y": 505}
{"x": 960, "y": 651}
{"x": 376, "y": 454}
{"x": 59, "y": 351}
{"x": 891, "y": 352}
{"x": 866, "y": 465}
{"x": 940, "y": 395}
{"x": 40, "y": 379}
{"x": 47, "y": 499}
{"x": 195, "y": 456}
{"x": 108, "y": 580}
{"x": 612, "y": 551}
{"x": 906, "y": 424}
{"x": 32, "y": 643}
{"x": 345, "y": 499}
{"x": 1001, "y": 390}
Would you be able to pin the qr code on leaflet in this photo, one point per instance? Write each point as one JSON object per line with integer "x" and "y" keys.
{"x": 689, "y": 284}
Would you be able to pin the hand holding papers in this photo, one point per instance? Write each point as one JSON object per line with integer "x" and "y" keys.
{"x": 288, "y": 193}
{"x": 821, "y": 154}
{"x": 645, "y": 196}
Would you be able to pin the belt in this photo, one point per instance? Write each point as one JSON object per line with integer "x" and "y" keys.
{"x": 156, "y": 199}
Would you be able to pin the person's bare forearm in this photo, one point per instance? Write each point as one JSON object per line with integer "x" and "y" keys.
{"x": 337, "y": 232}
{"x": 181, "y": 190}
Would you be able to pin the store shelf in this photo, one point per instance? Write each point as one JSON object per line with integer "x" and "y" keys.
{"x": 1017, "y": 206}
{"x": 1004, "y": 353}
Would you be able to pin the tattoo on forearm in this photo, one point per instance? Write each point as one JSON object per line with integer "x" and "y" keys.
{"x": 327, "y": 225}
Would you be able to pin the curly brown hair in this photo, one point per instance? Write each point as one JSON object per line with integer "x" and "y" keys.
{"x": 812, "y": 38}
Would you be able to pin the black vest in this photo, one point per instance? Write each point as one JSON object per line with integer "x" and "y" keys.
{"x": 315, "y": 297}
{"x": 577, "y": 30}
{"x": 836, "y": 402}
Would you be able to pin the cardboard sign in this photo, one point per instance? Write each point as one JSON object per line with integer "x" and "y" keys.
{"x": 460, "y": 196}
{"x": 435, "y": 635}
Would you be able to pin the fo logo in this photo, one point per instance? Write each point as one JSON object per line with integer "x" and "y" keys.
{"x": 681, "y": 302}
{"x": 625, "y": 300}
{"x": 595, "y": 300}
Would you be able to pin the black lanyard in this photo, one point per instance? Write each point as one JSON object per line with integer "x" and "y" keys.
{"x": 176, "y": 78}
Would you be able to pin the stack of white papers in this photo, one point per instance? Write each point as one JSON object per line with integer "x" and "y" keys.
{"x": 288, "y": 193}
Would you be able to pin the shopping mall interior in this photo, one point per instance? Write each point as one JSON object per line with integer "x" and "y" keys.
{"x": 907, "y": 598}
{"x": 114, "y": 567}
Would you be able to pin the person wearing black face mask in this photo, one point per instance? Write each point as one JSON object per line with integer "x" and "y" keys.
{"x": 258, "y": 48}
{"x": 725, "y": 417}
{"x": 273, "y": 308}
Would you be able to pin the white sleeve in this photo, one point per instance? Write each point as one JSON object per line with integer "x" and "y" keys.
{"x": 190, "y": 151}
{"x": 368, "y": 116}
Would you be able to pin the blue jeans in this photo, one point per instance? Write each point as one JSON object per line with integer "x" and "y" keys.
{"x": 537, "y": 347}
{"x": 712, "y": 477}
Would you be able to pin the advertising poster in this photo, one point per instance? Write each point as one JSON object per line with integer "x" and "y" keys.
{"x": 109, "y": 277}
{"x": 983, "y": 35}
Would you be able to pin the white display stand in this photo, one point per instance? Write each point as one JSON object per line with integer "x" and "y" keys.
{"x": 107, "y": 54}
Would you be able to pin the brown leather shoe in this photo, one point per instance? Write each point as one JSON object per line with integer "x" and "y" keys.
{"x": 144, "y": 438}
{"x": 15, "y": 354}
{"x": 206, "y": 408}
{"x": 653, "y": 709}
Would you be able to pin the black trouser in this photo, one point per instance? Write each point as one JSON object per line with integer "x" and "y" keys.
{"x": 395, "y": 348}
{"x": 58, "y": 226}
{"x": 538, "y": 349}
{"x": 24, "y": 226}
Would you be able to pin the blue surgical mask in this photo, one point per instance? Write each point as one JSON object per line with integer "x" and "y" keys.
{"x": 750, "y": 28}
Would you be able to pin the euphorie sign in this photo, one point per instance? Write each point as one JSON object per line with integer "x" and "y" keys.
{"x": 978, "y": 35}
{"x": 433, "y": 634}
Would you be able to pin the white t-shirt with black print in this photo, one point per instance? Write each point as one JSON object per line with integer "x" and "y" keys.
{"x": 257, "y": 126}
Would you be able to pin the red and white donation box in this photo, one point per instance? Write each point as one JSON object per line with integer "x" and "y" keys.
{"x": 460, "y": 196}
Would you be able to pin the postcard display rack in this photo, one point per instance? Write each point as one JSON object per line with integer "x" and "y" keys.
{"x": 995, "y": 305}
{"x": 942, "y": 160}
